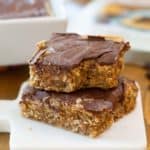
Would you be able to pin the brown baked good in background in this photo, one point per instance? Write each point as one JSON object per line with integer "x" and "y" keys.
{"x": 24, "y": 8}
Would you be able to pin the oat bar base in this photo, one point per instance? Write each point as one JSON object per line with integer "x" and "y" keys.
{"x": 75, "y": 117}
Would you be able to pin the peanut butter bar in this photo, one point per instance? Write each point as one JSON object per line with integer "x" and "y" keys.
{"x": 68, "y": 62}
{"x": 86, "y": 111}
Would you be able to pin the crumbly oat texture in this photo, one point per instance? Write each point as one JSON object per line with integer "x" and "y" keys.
{"x": 68, "y": 62}
{"x": 86, "y": 111}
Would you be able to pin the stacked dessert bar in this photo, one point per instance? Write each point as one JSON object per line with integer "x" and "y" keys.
{"x": 75, "y": 83}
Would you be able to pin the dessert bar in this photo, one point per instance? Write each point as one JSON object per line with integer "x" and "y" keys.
{"x": 68, "y": 62}
{"x": 86, "y": 111}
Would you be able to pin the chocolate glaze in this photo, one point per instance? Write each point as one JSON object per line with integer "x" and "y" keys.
{"x": 22, "y": 8}
{"x": 68, "y": 50}
{"x": 92, "y": 99}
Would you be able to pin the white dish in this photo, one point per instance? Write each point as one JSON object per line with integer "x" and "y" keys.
{"x": 19, "y": 36}
{"x": 127, "y": 133}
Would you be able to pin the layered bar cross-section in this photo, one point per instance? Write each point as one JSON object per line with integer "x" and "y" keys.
{"x": 68, "y": 62}
{"x": 86, "y": 111}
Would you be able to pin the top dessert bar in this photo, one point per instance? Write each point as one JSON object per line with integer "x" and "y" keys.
{"x": 68, "y": 62}
{"x": 23, "y": 8}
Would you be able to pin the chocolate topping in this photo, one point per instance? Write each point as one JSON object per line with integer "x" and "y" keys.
{"x": 22, "y": 8}
{"x": 68, "y": 50}
{"x": 93, "y": 99}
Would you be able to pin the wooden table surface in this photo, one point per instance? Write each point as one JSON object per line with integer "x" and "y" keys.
{"x": 11, "y": 80}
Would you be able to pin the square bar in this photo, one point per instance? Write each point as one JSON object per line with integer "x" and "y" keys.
{"x": 68, "y": 62}
{"x": 86, "y": 111}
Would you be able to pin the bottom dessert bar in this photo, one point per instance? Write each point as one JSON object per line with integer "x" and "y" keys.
{"x": 87, "y": 111}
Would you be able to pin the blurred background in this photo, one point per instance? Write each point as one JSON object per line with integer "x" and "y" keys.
{"x": 130, "y": 20}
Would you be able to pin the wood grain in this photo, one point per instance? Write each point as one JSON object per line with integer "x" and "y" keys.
{"x": 11, "y": 80}
{"x": 147, "y": 115}
{"x": 4, "y": 138}
{"x": 147, "y": 107}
